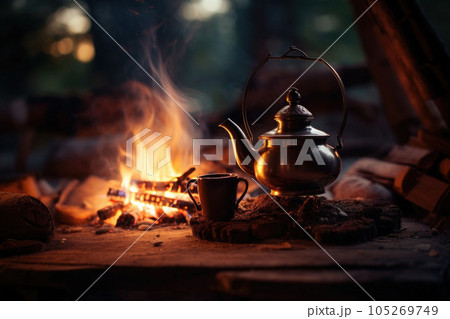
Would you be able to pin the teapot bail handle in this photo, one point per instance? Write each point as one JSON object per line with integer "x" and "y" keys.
{"x": 298, "y": 55}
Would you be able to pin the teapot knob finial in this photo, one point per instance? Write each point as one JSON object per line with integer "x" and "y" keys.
{"x": 293, "y": 96}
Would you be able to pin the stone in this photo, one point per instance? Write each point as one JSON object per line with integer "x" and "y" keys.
{"x": 144, "y": 227}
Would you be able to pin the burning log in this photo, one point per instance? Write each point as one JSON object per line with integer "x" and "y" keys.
{"x": 116, "y": 194}
{"x": 163, "y": 201}
{"x": 146, "y": 194}
{"x": 153, "y": 186}
{"x": 129, "y": 217}
{"x": 180, "y": 181}
{"x": 24, "y": 217}
{"x": 157, "y": 200}
{"x": 177, "y": 184}
{"x": 109, "y": 211}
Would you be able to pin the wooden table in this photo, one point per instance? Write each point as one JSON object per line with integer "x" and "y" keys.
{"x": 409, "y": 265}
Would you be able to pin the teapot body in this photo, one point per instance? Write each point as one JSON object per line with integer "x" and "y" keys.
{"x": 302, "y": 169}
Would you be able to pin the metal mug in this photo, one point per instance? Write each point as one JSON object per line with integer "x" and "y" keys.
{"x": 217, "y": 194}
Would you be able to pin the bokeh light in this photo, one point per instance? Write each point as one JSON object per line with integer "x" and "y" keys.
{"x": 70, "y": 19}
{"x": 84, "y": 51}
{"x": 204, "y": 9}
{"x": 65, "y": 46}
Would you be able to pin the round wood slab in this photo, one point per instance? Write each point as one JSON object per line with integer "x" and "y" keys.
{"x": 328, "y": 221}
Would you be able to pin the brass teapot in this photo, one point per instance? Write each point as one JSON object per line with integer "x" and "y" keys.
{"x": 294, "y": 158}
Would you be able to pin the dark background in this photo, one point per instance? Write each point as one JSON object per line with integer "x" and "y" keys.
{"x": 52, "y": 54}
{"x": 212, "y": 51}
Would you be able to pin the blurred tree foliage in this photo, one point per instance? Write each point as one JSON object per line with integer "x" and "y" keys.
{"x": 27, "y": 67}
{"x": 210, "y": 45}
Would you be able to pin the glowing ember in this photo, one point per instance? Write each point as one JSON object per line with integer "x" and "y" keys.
{"x": 142, "y": 200}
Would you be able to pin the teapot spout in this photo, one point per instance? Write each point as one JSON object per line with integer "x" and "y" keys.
{"x": 242, "y": 147}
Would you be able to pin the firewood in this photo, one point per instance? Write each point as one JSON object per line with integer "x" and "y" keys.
{"x": 181, "y": 180}
{"x": 444, "y": 168}
{"x": 416, "y": 142}
{"x": 435, "y": 141}
{"x": 407, "y": 37}
{"x": 414, "y": 156}
{"x": 430, "y": 194}
{"x": 416, "y": 187}
{"x": 378, "y": 171}
{"x": 399, "y": 178}
{"x": 397, "y": 108}
{"x": 116, "y": 194}
{"x": 24, "y": 217}
{"x": 177, "y": 184}
{"x": 109, "y": 211}
{"x": 150, "y": 185}
{"x": 404, "y": 181}
{"x": 157, "y": 200}
{"x": 160, "y": 200}
{"x": 129, "y": 217}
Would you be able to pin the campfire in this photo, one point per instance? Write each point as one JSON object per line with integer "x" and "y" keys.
{"x": 148, "y": 200}
{"x": 154, "y": 155}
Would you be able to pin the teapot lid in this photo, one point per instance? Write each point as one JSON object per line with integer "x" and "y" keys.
{"x": 294, "y": 120}
{"x": 294, "y": 110}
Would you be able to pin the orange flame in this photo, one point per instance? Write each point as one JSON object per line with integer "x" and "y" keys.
{"x": 158, "y": 110}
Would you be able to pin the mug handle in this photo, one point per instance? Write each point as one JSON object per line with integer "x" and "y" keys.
{"x": 240, "y": 179}
{"x": 188, "y": 185}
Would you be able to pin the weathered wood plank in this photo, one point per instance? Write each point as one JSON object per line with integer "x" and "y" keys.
{"x": 184, "y": 267}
